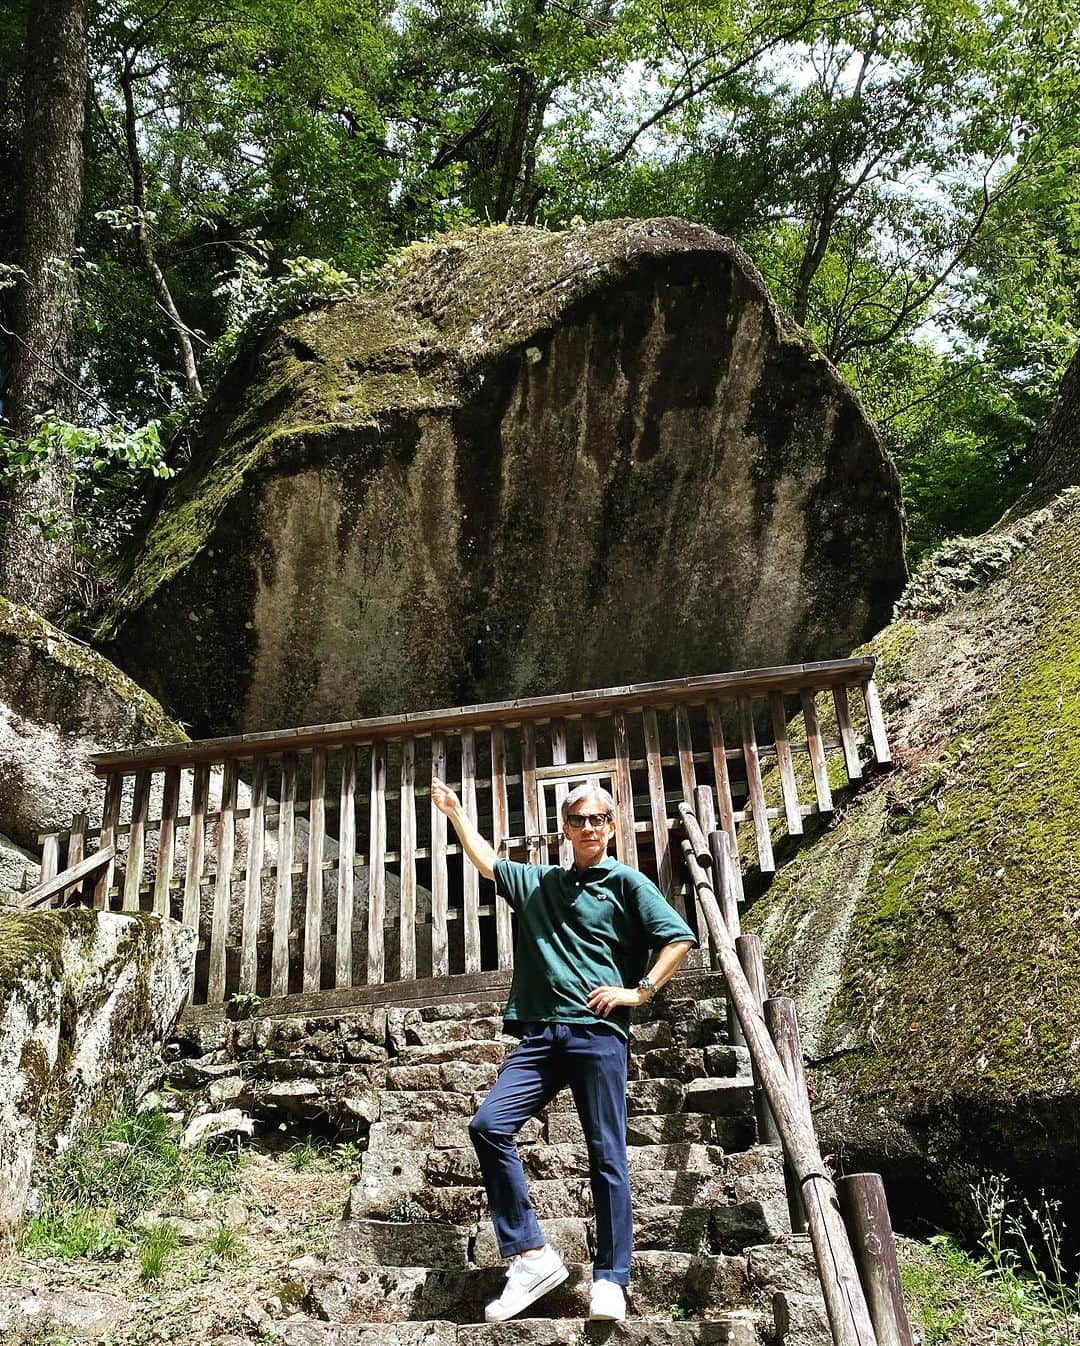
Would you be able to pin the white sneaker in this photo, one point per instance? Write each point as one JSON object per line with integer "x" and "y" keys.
{"x": 607, "y": 1302}
{"x": 527, "y": 1279}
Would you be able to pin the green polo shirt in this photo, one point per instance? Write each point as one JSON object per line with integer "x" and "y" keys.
{"x": 580, "y": 929}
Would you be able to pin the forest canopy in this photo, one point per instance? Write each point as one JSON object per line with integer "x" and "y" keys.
{"x": 904, "y": 177}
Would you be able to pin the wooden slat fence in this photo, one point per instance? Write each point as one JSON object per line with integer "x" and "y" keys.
{"x": 311, "y": 859}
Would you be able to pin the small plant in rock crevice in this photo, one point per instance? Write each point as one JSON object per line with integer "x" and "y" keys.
{"x": 158, "y": 1246}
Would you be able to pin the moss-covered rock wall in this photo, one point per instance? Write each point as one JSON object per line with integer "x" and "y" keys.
{"x": 932, "y": 935}
{"x": 521, "y": 462}
{"x": 86, "y": 1000}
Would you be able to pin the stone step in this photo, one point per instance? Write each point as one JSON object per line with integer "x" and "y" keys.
{"x": 460, "y": 1166}
{"x": 736, "y": 1329}
{"x": 418, "y": 1095}
{"x": 401, "y": 1191}
{"x": 695, "y": 1283}
{"x": 415, "y": 1067}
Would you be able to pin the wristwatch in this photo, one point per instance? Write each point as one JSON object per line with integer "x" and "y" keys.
{"x": 646, "y": 985}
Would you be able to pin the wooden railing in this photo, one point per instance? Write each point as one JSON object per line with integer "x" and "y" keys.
{"x": 312, "y": 859}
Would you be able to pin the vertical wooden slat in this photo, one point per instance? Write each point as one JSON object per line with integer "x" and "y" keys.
{"x": 558, "y": 758}
{"x": 657, "y": 801}
{"x": 757, "y": 792}
{"x": 316, "y": 852}
{"x": 469, "y": 874}
{"x": 76, "y": 849}
{"x": 225, "y": 844}
{"x": 346, "y": 878}
{"x": 440, "y": 946}
{"x": 50, "y": 857}
{"x": 500, "y": 827}
{"x": 788, "y": 784}
{"x": 720, "y": 770}
{"x": 249, "y": 935}
{"x": 625, "y": 838}
{"x": 816, "y": 750}
{"x": 724, "y": 802}
{"x": 407, "y": 830}
{"x": 136, "y": 851}
{"x": 110, "y": 817}
{"x": 170, "y": 806}
{"x": 847, "y": 734}
{"x": 705, "y": 809}
{"x": 748, "y": 948}
{"x": 589, "y": 750}
{"x": 377, "y": 869}
{"x": 283, "y": 894}
{"x": 687, "y": 773}
{"x": 529, "y": 797}
{"x": 196, "y": 855}
{"x": 878, "y": 733}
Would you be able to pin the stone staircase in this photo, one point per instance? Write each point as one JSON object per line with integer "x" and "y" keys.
{"x": 413, "y": 1260}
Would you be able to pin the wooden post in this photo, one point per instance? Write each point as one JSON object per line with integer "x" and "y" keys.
{"x": 720, "y": 770}
{"x": 558, "y": 758}
{"x": 706, "y": 817}
{"x": 878, "y": 733}
{"x": 470, "y": 877}
{"x": 376, "y": 949}
{"x": 866, "y": 1214}
{"x": 625, "y": 837}
{"x": 196, "y": 856}
{"x": 748, "y": 947}
{"x": 407, "y": 829}
{"x": 685, "y": 745}
{"x": 279, "y": 970}
{"x": 50, "y": 858}
{"x": 766, "y": 863}
{"x": 440, "y": 946}
{"x": 345, "y": 923}
{"x": 316, "y": 848}
{"x": 722, "y": 867}
{"x": 170, "y": 806}
{"x": 530, "y": 800}
{"x": 76, "y": 851}
{"x": 657, "y": 801}
{"x": 847, "y": 734}
{"x": 589, "y": 750}
{"x": 788, "y": 785}
{"x": 225, "y": 847}
{"x": 816, "y": 750}
{"x": 500, "y": 827}
{"x": 136, "y": 851}
{"x": 249, "y": 932}
{"x": 783, "y": 1025}
{"x": 110, "y": 819}
{"x": 849, "y": 1318}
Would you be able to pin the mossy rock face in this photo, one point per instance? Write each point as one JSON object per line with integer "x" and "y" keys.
{"x": 932, "y": 935}
{"x": 86, "y": 1000}
{"x": 521, "y": 461}
{"x": 60, "y": 701}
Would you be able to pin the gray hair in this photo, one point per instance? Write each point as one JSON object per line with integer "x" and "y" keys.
{"x": 587, "y": 791}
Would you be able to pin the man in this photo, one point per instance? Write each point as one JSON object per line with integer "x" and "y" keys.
{"x": 585, "y": 938}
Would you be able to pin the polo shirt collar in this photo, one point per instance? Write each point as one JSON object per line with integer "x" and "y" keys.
{"x": 601, "y": 867}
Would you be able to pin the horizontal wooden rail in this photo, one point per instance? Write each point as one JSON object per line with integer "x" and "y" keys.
{"x": 720, "y": 686}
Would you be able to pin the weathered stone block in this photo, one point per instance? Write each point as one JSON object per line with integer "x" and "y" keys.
{"x": 569, "y": 1237}
{"x": 385, "y": 1243}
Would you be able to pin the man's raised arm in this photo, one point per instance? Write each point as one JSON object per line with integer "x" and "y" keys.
{"x": 480, "y": 852}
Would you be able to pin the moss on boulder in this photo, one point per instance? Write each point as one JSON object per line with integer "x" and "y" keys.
{"x": 60, "y": 701}
{"x": 932, "y": 934}
{"x": 520, "y": 461}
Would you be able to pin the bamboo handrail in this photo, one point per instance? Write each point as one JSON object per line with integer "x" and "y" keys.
{"x": 849, "y": 1317}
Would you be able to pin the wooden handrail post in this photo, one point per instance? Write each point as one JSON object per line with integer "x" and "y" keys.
{"x": 783, "y": 1024}
{"x": 748, "y": 948}
{"x": 849, "y": 1318}
{"x": 866, "y": 1214}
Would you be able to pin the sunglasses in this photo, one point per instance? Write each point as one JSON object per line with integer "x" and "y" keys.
{"x": 578, "y": 820}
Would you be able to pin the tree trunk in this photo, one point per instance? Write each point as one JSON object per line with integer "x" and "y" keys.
{"x": 1055, "y": 457}
{"x": 32, "y": 570}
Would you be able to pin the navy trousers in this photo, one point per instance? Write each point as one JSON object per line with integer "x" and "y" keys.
{"x": 592, "y": 1061}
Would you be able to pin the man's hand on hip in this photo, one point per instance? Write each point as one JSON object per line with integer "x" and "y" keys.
{"x": 606, "y": 998}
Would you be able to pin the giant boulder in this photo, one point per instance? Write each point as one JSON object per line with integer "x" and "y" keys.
{"x": 520, "y": 461}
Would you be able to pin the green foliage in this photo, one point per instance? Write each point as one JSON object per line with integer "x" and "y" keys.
{"x": 226, "y": 1245}
{"x": 157, "y": 1246}
{"x": 95, "y": 1188}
